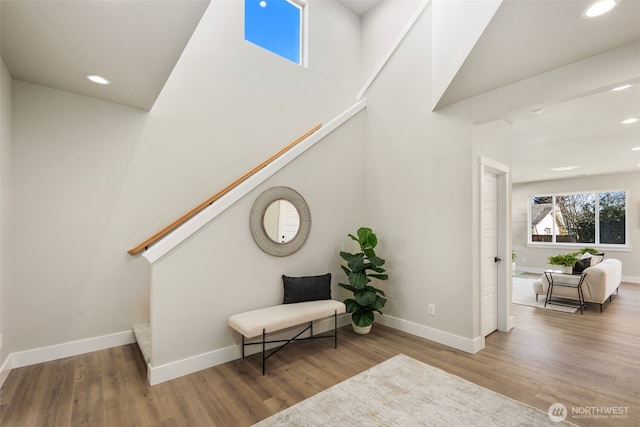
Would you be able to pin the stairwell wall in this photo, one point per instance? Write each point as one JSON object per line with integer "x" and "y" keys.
{"x": 93, "y": 178}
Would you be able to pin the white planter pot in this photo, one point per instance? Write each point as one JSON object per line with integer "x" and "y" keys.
{"x": 361, "y": 330}
{"x": 567, "y": 269}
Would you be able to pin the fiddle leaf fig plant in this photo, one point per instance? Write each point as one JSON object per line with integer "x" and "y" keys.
{"x": 361, "y": 268}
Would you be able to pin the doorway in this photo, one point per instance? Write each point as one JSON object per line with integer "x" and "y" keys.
{"x": 495, "y": 248}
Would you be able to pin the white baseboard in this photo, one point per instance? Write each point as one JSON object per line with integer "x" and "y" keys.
{"x": 467, "y": 345}
{"x": 179, "y": 368}
{"x": 5, "y": 369}
{"x": 73, "y": 348}
{"x": 59, "y": 351}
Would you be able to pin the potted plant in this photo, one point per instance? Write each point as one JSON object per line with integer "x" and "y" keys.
{"x": 513, "y": 261}
{"x": 592, "y": 251}
{"x": 361, "y": 268}
{"x": 567, "y": 261}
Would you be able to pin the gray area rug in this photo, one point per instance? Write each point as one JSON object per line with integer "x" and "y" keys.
{"x": 523, "y": 294}
{"x": 405, "y": 392}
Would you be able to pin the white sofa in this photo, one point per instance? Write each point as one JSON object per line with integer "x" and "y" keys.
{"x": 600, "y": 281}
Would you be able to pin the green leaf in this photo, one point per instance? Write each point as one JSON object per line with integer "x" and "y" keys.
{"x": 377, "y": 261}
{"x": 365, "y": 297}
{"x": 352, "y": 305}
{"x": 376, "y": 269}
{"x": 380, "y": 276}
{"x": 358, "y": 279}
{"x": 346, "y": 256}
{"x": 362, "y": 318}
{"x": 379, "y": 303}
{"x": 356, "y": 263}
{"x": 346, "y": 270}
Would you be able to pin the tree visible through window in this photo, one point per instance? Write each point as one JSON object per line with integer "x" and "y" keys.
{"x": 275, "y": 25}
{"x": 581, "y": 218}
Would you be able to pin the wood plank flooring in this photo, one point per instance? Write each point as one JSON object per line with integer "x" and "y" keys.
{"x": 583, "y": 361}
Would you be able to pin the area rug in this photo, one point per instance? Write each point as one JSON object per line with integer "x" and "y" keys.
{"x": 523, "y": 294}
{"x": 405, "y": 392}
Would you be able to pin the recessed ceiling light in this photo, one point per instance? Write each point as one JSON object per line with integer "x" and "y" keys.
{"x": 565, "y": 168}
{"x": 635, "y": 149}
{"x": 98, "y": 79}
{"x": 629, "y": 120}
{"x": 599, "y": 8}
{"x": 538, "y": 111}
{"x": 623, "y": 87}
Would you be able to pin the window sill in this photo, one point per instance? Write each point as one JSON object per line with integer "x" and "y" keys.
{"x": 569, "y": 246}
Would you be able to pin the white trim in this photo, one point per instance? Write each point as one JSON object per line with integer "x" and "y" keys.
{"x": 497, "y": 167}
{"x": 421, "y": 7}
{"x": 5, "y": 369}
{"x": 467, "y": 345}
{"x": 179, "y": 368}
{"x": 503, "y": 172}
{"x": 180, "y": 234}
{"x": 73, "y": 348}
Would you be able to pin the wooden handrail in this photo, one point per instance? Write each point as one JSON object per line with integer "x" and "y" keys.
{"x": 184, "y": 218}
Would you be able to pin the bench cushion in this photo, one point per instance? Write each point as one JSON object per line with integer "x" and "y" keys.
{"x": 278, "y": 317}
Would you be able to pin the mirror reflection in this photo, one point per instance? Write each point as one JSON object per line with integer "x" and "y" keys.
{"x": 281, "y": 221}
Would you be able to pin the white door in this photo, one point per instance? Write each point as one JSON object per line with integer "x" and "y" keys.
{"x": 489, "y": 253}
{"x": 289, "y": 222}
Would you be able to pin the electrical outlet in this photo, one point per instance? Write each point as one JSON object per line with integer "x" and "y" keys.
{"x": 432, "y": 309}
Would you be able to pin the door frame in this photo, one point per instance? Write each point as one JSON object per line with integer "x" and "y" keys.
{"x": 503, "y": 172}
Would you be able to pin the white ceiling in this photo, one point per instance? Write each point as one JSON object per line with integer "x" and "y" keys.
{"x": 137, "y": 43}
{"x": 527, "y": 38}
{"x": 133, "y": 43}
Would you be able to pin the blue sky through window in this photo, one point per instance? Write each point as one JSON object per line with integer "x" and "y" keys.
{"x": 275, "y": 26}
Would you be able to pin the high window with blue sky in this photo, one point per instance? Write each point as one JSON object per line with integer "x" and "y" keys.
{"x": 275, "y": 25}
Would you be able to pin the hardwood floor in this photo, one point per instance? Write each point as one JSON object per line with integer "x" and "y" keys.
{"x": 586, "y": 362}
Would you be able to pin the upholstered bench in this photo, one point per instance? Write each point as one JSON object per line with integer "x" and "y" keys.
{"x": 259, "y": 323}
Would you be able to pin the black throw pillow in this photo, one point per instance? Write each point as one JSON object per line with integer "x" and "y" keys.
{"x": 307, "y": 288}
{"x": 581, "y": 264}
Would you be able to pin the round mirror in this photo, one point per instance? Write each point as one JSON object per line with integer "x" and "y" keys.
{"x": 280, "y": 221}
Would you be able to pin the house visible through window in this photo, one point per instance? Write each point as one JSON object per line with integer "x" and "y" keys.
{"x": 275, "y": 25}
{"x": 579, "y": 218}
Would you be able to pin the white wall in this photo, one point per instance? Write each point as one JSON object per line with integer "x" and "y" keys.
{"x": 220, "y": 270}
{"x": 5, "y": 211}
{"x": 536, "y": 258}
{"x": 92, "y": 179}
{"x": 73, "y": 162}
{"x": 419, "y": 188}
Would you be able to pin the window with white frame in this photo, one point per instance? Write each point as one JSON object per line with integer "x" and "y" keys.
{"x": 596, "y": 218}
{"x": 276, "y": 25}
